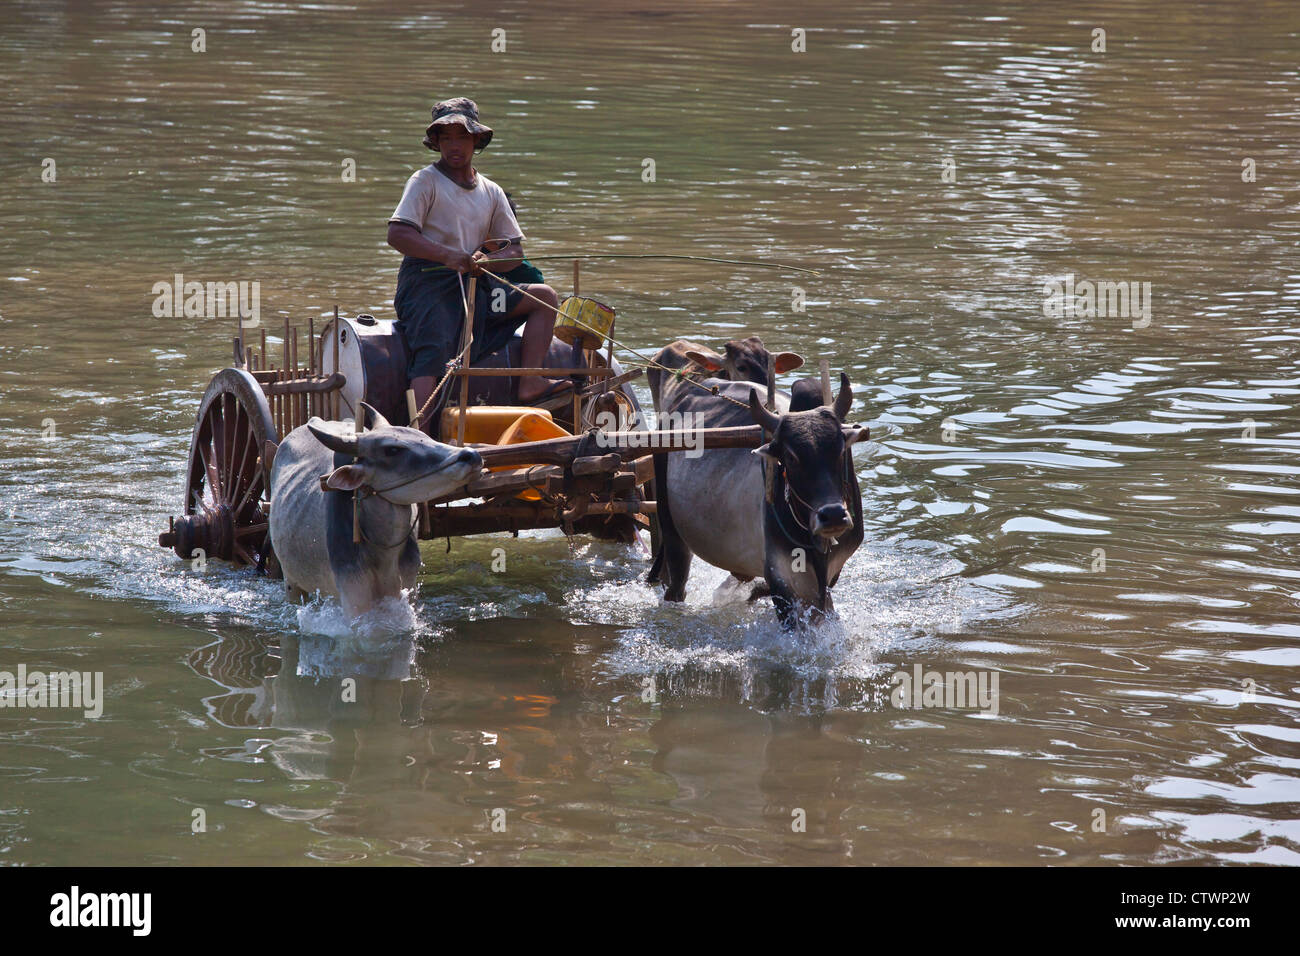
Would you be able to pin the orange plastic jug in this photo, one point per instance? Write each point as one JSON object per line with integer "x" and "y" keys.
{"x": 485, "y": 423}
{"x": 534, "y": 425}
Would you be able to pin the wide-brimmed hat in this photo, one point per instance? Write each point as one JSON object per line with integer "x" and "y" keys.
{"x": 460, "y": 111}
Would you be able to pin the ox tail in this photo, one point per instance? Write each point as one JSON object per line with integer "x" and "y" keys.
{"x": 268, "y": 462}
{"x": 656, "y": 567}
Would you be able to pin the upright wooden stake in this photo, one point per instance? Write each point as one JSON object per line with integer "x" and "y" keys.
{"x": 335, "y": 395}
{"x": 286, "y": 406}
{"x": 413, "y": 412}
{"x": 826, "y": 380}
{"x": 313, "y": 400}
{"x": 295, "y": 401}
{"x": 771, "y": 382}
{"x": 467, "y": 346}
{"x": 609, "y": 353}
{"x": 575, "y": 278}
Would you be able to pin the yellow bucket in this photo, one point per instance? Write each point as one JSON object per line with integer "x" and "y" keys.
{"x": 583, "y": 322}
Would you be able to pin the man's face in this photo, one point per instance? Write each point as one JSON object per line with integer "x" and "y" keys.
{"x": 456, "y": 144}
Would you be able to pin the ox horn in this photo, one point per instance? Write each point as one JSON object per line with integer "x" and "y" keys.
{"x": 370, "y": 418}
{"x": 844, "y": 400}
{"x": 333, "y": 436}
{"x": 761, "y": 415}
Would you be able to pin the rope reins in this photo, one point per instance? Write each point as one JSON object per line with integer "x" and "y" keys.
{"x": 846, "y": 459}
{"x": 451, "y": 366}
{"x": 369, "y": 491}
{"x": 359, "y": 534}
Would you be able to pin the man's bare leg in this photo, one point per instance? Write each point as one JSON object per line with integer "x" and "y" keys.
{"x": 538, "y": 330}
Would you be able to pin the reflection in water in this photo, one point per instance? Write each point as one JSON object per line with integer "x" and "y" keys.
{"x": 1103, "y": 513}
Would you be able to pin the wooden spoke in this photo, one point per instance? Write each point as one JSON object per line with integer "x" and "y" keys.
{"x": 218, "y": 438}
{"x": 255, "y": 483}
{"x": 243, "y": 465}
{"x": 209, "y": 466}
{"x": 229, "y": 420}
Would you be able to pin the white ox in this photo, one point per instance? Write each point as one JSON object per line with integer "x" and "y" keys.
{"x": 392, "y": 469}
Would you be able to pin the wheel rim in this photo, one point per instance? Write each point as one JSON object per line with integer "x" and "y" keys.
{"x": 226, "y": 485}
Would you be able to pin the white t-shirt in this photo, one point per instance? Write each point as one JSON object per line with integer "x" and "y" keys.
{"x": 448, "y": 213}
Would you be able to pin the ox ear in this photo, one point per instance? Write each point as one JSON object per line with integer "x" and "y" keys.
{"x": 346, "y": 478}
{"x": 766, "y": 451}
{"x": 369, "y": 418}
{"x": 712, "y": 362}
{"x": 334, "y": 435}
{"x": 855, "y": 433}
{"x": 787, "y": 362}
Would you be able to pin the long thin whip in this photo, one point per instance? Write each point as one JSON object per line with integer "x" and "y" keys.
{"x": 615, "y": 255}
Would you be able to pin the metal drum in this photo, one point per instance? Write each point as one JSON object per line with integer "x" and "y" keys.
{"x": 372, "y": 357}
{"x": 584, "y": 323}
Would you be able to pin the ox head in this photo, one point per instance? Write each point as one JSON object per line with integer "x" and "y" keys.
{"x": 809, "y": 447}
{"x": 744, "y": 360}
{"x": 403, "y": 465}
{"x": 805, "y": 394}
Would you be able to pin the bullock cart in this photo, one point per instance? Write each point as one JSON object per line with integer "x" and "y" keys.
{"x": 589, "y": 467}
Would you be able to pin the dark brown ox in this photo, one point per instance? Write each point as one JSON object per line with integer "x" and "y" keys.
{"x": 789, "y": 512}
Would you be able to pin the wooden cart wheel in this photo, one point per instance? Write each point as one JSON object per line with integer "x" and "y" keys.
{"x": 614, "y": 402}
{"x": 226, "y": 486}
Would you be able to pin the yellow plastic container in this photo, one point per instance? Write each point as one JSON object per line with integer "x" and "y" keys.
{"x": 584, "y": 322}
{"x": 535, "y": 425}
{"x": 485, "y": 423}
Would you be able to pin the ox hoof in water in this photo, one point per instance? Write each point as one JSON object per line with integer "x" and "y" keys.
{"x": 385, "y": 470}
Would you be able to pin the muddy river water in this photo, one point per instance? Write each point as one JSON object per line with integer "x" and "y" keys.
{"x": 1100, "y": 508}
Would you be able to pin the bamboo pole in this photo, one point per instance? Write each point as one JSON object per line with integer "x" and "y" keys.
{"x": 826, "y": 380}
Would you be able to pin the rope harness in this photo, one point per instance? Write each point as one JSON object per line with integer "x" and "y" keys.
{"x": 779, "y": 474}
{"x": 369, "y": 491}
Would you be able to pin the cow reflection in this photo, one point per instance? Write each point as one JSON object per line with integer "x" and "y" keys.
{"x": 529, "y": 721}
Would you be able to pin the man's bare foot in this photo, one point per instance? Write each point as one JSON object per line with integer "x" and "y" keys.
{"x": 533, "y": 389}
